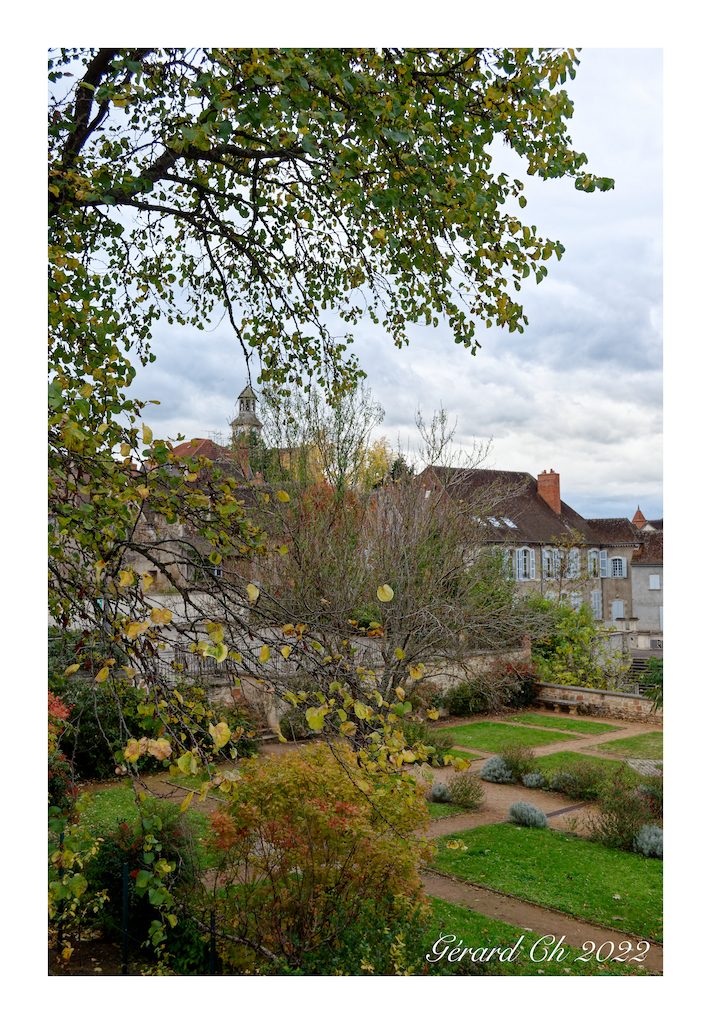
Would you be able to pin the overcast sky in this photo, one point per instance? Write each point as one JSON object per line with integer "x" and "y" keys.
{"x": 581, "y": 390}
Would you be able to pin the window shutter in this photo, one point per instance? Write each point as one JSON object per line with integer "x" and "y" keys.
{"x": 624, "y": 568}
{"x": 654, "y": 582}
{"x": 597, "y": 603}
{"x": 519, "y": 564}
{"x": 532, "y": 555}
{"x": 618, "y": 610}
{"x": 603, "y": 564}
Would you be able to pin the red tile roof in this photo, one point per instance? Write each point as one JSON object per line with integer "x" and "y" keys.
{"x": 201, "y": 446}
{"x": 651, "y": 550}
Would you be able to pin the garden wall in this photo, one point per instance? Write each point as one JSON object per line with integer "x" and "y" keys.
{"x": 603, "y": 703}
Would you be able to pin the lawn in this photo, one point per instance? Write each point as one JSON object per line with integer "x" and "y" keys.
{"x": 604, "y": 886}
{"x": 445, "y": 810}
{"x": 567, "y": 724}
{"x": 549, "y": 764}
{"x": 475, "y": 930}
{"x": 494, "y": 736}
{"x": 104, "y": 810}
{"x": 466, "y": 754}
{"x": 646, "y": 745}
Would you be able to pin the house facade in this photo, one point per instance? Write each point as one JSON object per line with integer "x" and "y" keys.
{"x": 550, "y": 548}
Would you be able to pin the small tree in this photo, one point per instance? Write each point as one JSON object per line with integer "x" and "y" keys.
{"x": 572, "y": 652}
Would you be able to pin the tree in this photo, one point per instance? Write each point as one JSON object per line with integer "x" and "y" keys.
{"x": 295, "y": 192}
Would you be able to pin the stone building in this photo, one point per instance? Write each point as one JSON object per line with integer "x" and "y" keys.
{"x": 550, "y": 548}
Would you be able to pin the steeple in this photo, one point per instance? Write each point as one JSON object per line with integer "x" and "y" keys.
{"x": 246, "y": 419}
{"x": 639, "y": 519}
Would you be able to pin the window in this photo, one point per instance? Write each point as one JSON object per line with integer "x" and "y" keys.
{"x": 526, "y": 564}
{"x": 509, "y": 522}
{"x": 573, "y": 568}
{"x": 661, "y": 618}
{"x": 575, "y": 601}
{"x": 655, "y": 582}
{"x": 594, "y": 563}
{"x": 618, "y": 610}
{"x": 494, "y": 521}
{"x": 427, "y": 494}
{"x": 603, "y": 564}
{"x": 618, "y": 568}
{"x": 596, "y": 598}
{"x": 548, "y": 563}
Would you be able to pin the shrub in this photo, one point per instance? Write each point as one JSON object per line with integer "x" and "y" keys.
{"x": 125, "y": 845}
{"x": 622, "y": 811}
{"x": 466, "y": 698}
{"x": 521, "y": 686}
{"x": 293, "y": 725}
{"x": 466, "y": 790}
{"x": 306, "y": 840}
{"x": 534, "y": 780}
{"x": 420, "y": 734}
{"x": 439, "y": 794}
{"x": 522, "y": 813}
{"x": 425, "y": 695}
{"x": 519, "y": 759}
{"x": 653, "y": 792}
{"x": 581, "y": 781}
{"x": 649, "y": 841}
{"x": 496, "y": 770}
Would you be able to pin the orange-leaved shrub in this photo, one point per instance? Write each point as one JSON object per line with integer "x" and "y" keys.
{"x": 317, "y": 866}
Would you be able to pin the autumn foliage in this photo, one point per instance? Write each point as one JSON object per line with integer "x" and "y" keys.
{"x": 307, "y": 840}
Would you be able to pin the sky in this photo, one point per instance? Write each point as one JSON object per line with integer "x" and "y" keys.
{"x": 581, "y": 390}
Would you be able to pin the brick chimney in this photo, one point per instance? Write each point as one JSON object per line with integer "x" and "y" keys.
{"x": 549, "y": 489}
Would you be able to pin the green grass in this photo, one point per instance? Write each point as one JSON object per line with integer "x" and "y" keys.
{"x": 466, "y": 754}
{"x": 445, "y": 810}
{"x": 475, "y": 930}
{"x": 646, "y": 745}
{"x": 600, "y": 885}
{"x": 104, "y": 810}
{"x": 567, "y": 724}
{"x": 549, "y": 764}
{"x": 494, "y": 736}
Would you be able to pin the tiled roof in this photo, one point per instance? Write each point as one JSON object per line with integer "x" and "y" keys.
{"x": 201, "y": 446}
{"x": 658, "y": 524}
{"x": 651, "y": 550}
{"x": 614, "y": 531}
{"x": 534, "y": 519}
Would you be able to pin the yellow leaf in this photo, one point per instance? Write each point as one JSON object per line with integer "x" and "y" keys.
{"x": 143, "y": 490}
{"x": 130, "y": 672}
{"x": 348, "y": 728}
{"x": 385, "y": 593}
{"x": 220, "y": 734}
{"x": 400, "y": 692}
{"x": 220, "y": 653}
{"x": 433, "y": 714}
{"x": 71, "y": 669}
{"x": 147, "y": 580}
{"x": 127, "y": 578}
{"x": 147, "y": 434}
{"x": 161, "y": 616}
{"x": 160, "y": 749}
{"x": 264, "y": 654}
{"x": 252, "y": 592}
{"x": 285, "y": 651}
{"x": 282, "y": 496}
{"x": 416, "y": 671}
{"x": 399, "y": 653}
{"x": 132, "y": 751}
{"x": 125, "y": 449}
{"x": 187, "y": 801}
{"x": 135, "y": 629}
{"x": 102, "y": 675}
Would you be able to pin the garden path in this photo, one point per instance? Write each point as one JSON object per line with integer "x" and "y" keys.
{"x": 530, "y": 916}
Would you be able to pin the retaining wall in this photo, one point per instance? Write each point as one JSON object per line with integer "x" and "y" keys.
{"x": 603, "y": 703}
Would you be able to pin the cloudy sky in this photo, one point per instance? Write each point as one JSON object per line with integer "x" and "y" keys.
{"x": 581, "y": 390}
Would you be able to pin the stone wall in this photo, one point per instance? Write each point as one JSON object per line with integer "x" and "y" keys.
{"x": 604, "y": 703}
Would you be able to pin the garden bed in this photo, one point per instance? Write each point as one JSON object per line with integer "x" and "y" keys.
{"x": 597, "y": 884}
